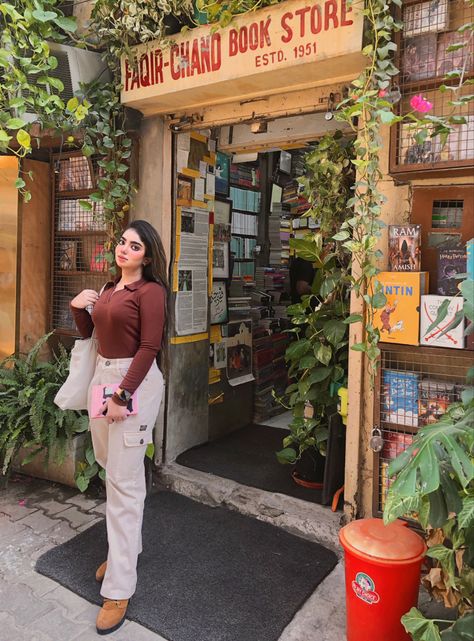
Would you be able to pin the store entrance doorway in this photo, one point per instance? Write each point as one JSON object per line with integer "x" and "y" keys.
{"x": 238, "y": 201}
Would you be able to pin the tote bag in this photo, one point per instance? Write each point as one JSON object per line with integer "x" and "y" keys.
{"x": 73, "y": 393}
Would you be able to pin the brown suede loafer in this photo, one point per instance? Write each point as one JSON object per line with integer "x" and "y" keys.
{"x": 100, "y": 572}
{"x": 111, "y": 615}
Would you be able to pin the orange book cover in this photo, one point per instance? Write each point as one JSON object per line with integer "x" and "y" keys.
{"x": 399, "y": 320}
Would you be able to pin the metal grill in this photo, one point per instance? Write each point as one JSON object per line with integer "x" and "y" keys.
{"x": 416, "y": 386}
{"x": 429, "y": 56}
{"x": 447, "y": 214}
{"x": 79, "y": 236}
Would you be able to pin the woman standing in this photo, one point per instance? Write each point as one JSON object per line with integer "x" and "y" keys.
{"x": 129, "y": 318}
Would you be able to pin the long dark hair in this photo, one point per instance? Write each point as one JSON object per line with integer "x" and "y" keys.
{"x": 154, "y": 270}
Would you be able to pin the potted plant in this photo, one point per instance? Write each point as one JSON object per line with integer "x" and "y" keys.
{"x": 29, "y": 419}
{"x": 318, "y": 355}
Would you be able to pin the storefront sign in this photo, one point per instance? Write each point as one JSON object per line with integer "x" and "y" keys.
{"x": 317, "y": 41}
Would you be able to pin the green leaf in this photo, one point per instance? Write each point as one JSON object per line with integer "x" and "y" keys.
{"x": 66, "y": 23}
{"x": 150, "y": 451}
{"x": 353, "y": 318}
{"x": 324, "y": 354}
{"x": 44, "y": 16}
{"x": 461, "y": 630}
{"x": 287, "y": 455}
{"x": 466, "y": 515}
{"x": 342, "y": 235}
{"x": 82, "y": 482}
{"x": 319, "y": 375}
{"x": 86, "y": 205}
{"x": 19, "y": 183}
{"x": 446, "y": 558}
{"x": 419, "y": 628}
{"x": 72, "y": 104}
{"x": 23, "y": 138}
{"x": 334, "y": 331}
{"x": 387, "y": 117}
{"x": 15, "y": 123}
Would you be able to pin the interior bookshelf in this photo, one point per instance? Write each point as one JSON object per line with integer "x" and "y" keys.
{"x": 246, "y": 200}
{"x": 414, "y": 388}
{"x": 78, "y": 236}
{"x": 425, "y": 56}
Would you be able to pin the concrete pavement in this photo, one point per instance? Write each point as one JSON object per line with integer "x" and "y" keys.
{"x": 36, "y": 515}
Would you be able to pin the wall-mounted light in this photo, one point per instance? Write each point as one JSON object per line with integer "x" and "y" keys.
{"x": 259, "y": 127}
{"x": 181, "y": 123}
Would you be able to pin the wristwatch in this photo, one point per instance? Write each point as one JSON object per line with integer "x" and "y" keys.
{"x": 122, "y": 396}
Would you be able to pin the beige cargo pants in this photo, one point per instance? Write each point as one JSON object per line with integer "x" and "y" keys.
{"x": 120, "y": 449}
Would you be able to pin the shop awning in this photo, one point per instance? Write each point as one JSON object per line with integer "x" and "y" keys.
{"x": 287, "y": 47}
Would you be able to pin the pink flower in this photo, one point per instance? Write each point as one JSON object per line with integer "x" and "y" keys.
{"x": 382, "y": 93}
{"x": 22, "y": 502}
{"x": 418, "y": 103}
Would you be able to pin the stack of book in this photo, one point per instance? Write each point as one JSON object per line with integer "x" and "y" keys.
{"x": 245, "y": 199}
{"x": 270, "y": 372}
{"x": 293, "y": 197}
{"x": 239, "y": 307}
{"x": 245, "y": 174}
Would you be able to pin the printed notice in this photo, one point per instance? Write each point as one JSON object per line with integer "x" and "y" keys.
{"x": 192, "y": 297}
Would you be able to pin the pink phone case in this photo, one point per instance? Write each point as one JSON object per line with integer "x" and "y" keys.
{"x": 99, "y": 395}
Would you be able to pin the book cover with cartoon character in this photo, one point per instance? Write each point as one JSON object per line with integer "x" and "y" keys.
{"x": 399, "y": 397}
{"x": 399, "y": 320}
{"x": 451, "y": 264}
{"x": 436, "y": 335}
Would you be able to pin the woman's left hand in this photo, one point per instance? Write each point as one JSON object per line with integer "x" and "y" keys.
{"x": 114, "y": 413}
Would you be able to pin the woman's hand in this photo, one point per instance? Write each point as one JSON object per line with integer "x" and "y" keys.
{"x": 113, "y": 412}
{"x": 85, "y": 298}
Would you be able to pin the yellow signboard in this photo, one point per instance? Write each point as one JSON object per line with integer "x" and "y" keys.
{"x": 289, "y": 46}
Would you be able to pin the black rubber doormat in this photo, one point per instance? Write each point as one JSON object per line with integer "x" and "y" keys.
{"x": 247, "y": 456}
{"x": 205, "y": 574}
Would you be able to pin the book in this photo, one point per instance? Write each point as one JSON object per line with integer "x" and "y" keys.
{"x": 394, "y": 443}
{"x": 436, "y": 336}
{"x": 435, "y": 398}
{"x": 398, "y": 321}
{"x": 404, "y": 248}
{"x": 451, "y": 263}
{"x": 67, "y": 255}
{"x": 399, "y": 397}
{"x": 419, "y": 57}
{"x": 470, "y": 258}
{"x": 457, "y": 59}
{"x": 425, "y": 17}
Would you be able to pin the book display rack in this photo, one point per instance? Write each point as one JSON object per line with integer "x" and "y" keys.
{"x": 414, "y": 388}
{"x": 78, "y": 236}
{"x": 429, "y": 56}
{"x": 245, "y": 196}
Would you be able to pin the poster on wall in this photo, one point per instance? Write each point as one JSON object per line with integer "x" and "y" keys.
{"x": 239, "y": 352}
{"x": 218, "y": 307}
{"x": 220, "y": 260}
{"x": 222, "y": 220}
{"x": 222, "y": 173}
{"x": 191, "y": 271}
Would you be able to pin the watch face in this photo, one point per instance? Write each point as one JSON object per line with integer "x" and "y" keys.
{"x": 125, "y": 395}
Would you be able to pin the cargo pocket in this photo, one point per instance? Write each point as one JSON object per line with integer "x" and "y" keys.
{"x": 134, "y": 439}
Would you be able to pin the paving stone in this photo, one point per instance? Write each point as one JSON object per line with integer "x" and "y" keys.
{"x": 11, "y": 632}
{"x": 15, "y": 511}
{"x": 99, "y": 509}
{"x": 83, "y": 502}
{"x": 39, "y": 584}
{"x": 52, "y": 507}
{"x": 9, "y": 529}
{"x": 72, "y": 604}
{"x": 39, "y": 522}
{"x": 86, "y": 526}
{"x": 75, "y": 517}
{"x": 62, "y": 532}
{"x": 59, "y": 627}
{"x": 134, "y": 632}
{"x": 23, "y": 604}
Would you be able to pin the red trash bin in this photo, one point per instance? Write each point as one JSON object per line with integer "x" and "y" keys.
{"x": 383, "y": 564}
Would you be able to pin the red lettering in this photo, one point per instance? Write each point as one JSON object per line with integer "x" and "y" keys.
{"x": 265, "y": 33}
{"x": 233, "y": 45}
{"x": 316, "y": 22}
{"x": 128, "y": 75}
{"x": 158, "y": 66}
{"x": 145, "y": 71}
{"x": 184, "y": 59}
{"x": 216, "y": 58}
{"x": 345, "y": 22}
{"x": 205, "y": 55}
{"x": 174, "y": 62}
{"x": 253, "y": 36}
{"x": 289, "y": 31}
{"x": 243, "y": 39}
{"x": 330, "y": 13}
{"x": 301, "y": 13}
{"x": 195, "y": 59}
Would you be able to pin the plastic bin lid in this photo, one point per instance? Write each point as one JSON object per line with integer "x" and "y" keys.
{"x": 371, "y": 538}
